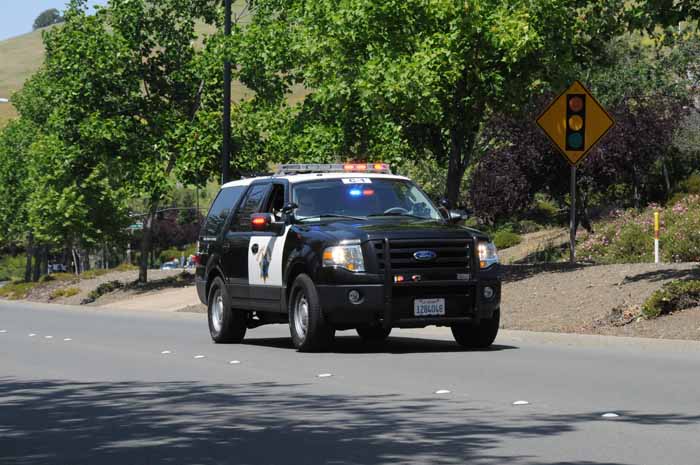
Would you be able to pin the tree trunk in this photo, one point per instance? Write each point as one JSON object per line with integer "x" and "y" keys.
{"x": 667, "y": 178}
{"x": 76, "y": 262}
{"x": 456, "y": 165}
{"x": 146, "y": 241}
{"x": 28, "y": 266}
{"x": 37, "y": 263}
{"x": 44, "y": 267}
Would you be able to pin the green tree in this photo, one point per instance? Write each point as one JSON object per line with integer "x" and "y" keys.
{"x": 47, "y": 18}
{"x": 16, "y": 186}
{"x": 401, "y": 78}
{"x": 122, "y": 88}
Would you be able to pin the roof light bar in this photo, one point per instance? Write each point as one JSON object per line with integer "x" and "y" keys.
{"x": 333, "y": 168}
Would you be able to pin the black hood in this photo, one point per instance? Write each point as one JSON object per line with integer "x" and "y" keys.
{"x": 392, "y": 228}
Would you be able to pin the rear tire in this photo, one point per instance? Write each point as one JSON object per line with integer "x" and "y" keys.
{"x": 478, "y": 336}
{"x": 373, "y": 333}
{"x": 309, "y": 329}
{"x": 225, "y": 323}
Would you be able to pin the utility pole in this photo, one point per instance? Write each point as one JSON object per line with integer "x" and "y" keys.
{"x": 226, "y": 148}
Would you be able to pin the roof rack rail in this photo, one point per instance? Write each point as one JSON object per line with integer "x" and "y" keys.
{"x": 296, "y": 168}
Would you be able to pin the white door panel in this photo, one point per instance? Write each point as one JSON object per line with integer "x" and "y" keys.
{"x": 265, "y": 266}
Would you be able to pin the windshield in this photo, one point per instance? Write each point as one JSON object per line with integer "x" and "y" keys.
{"x": 359, "y": 198}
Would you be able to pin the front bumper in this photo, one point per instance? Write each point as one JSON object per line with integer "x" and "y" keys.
{"x": 393, "y": 306}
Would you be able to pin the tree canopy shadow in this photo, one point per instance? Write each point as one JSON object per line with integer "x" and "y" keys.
{"x": 663, "y": 274}
{"x": 64, "y": 422}
{"x": 515, "y": 272}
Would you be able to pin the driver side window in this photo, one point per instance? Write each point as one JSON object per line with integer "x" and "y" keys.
{"x": 249, "y": 205}
{"x": 275, "y": 203}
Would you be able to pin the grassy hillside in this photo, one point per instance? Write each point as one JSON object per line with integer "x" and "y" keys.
{"x": 21, "y": 56}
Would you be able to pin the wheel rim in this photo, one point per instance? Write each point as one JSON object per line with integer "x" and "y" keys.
{"x": 217, "y": 314}
{"x": 301, "y": 314}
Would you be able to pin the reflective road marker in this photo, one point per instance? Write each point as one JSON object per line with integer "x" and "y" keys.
{"x": 442, "y": 391}
{"x": 324, "y": 375}
{"x": 521, "y": 402}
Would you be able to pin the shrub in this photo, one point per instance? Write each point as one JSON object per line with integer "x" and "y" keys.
{"x": 64, "y": 292}
{"x": 504, "y": 239}
{"x": 16, "y": 290}
{"x": 102, "y": 289}
{"x": 673, "y": 296}
{"x": 46, "y": 278}
{"x": 12, "y": 267}
{"x": 544, "y": 210}
{"x": 528, "y": 226}
{"x": 125, "y": 267}
{"x": 628, "y": 237}
{"x": 94, "y": 273}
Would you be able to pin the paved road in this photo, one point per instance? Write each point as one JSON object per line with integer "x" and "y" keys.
{"x": 101, "y": 390}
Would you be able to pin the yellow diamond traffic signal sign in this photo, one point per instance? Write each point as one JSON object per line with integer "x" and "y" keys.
{"x": 575, "y": 122}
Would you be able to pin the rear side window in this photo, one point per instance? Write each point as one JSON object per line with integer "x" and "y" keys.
{"x": 220, "y": 210}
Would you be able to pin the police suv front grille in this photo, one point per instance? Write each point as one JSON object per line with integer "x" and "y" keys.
{"x": 451, "y": 255}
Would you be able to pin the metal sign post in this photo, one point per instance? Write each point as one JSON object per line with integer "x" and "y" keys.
{"x": 575, "y": 122}
{"x": 572, "y": 222}
{"x": 656, "y": 237}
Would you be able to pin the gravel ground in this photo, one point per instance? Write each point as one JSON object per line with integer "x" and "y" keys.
{"x": 580, "y": 299}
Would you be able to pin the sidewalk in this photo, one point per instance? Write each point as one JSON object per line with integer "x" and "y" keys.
{"x": 169, "y": 300}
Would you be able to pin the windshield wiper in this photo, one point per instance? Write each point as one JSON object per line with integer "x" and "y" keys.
{"x": 398, "y": 214}
{"x": 329, "y": 215}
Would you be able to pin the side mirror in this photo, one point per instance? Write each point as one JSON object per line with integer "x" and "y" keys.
{"x": 444, "y": 203}
{"x": 289, "y": 208}
{"x": 455, "y": 216}
{"x": 265, "y": 222}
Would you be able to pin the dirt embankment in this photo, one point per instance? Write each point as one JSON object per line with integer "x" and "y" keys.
{"x": 580, "y": 299}
{"x": 158, "y": 280}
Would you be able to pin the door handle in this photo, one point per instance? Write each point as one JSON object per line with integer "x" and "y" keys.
{"x": 226, "y": 246}
{"x": 254, "y": 248}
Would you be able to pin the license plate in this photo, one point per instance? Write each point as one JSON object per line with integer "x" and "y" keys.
{"x": 429, "y": 307}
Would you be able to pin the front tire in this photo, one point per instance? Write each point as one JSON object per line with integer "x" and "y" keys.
{"x": 225, "y": 323}
{"x": 478, "y": 336}
{"x": 309, "y": 329}
{"x": 373, "y": 333}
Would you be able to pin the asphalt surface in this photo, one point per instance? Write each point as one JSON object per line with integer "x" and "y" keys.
{"x": 81, "y": 386}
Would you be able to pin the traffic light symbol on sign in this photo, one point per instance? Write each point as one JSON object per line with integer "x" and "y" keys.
{"x": 575, "y": 121}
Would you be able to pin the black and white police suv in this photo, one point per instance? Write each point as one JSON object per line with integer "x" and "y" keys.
{"x": 338, "y": 247}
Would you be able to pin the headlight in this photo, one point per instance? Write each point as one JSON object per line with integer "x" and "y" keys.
{"x": 488, "y": 255}
{"x": 344, "y": 256}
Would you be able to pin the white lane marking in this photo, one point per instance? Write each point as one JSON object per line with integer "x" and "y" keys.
{"x": 443, "y": 391}
{"x": 610, "y": 415}
{"x": 234, "y": 362}
{"x": 521, "y": 402}
{"x": 199, "y": 356}
{"x": 324, "y": 375}
{"x": 67, "y": 339}
{"x": 32, "y": 334}
{"x": 3, "y": 331}
{"x": 166, "y": 352}
{"x": 48, "y": 337}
